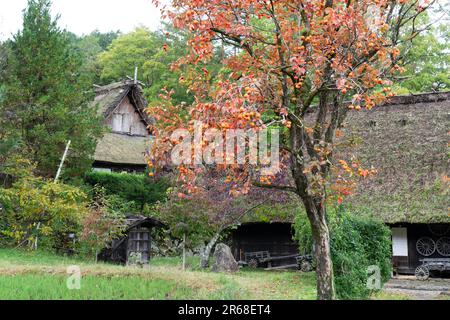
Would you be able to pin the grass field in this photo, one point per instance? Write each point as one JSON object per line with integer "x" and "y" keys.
{"x": 40, "y": 275}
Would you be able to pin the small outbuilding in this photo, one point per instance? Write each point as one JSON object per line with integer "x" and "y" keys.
{"x": 134, "y": 247}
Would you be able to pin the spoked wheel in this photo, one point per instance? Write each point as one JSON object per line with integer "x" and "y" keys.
{"x": 425, "y": 246}
{"x": 253, "y": 263}
{"x": 443, "y": 246}
{"x": 422, "y": 273}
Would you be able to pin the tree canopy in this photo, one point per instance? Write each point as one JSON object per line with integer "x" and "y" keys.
{"x": 427, "y": 61}
{"x": 45, "y": 97}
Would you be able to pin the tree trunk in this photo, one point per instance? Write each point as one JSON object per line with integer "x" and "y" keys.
{"x": 204, "y": 256}
{"x": 314, "y": 206}
{"x": 321, "y": 237}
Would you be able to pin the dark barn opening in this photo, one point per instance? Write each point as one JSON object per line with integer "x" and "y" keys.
{"x": 276, "y": 238}
{"x": 411, "y": 243}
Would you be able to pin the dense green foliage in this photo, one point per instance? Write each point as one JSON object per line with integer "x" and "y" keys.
{"x": 131, "y": 191}
{"x": 127, "y": 52}
{"x": 38, "y": 213}
{"x": 89, "y": 47}
{"x": 151, "y": 53}
{"x": 101, "y": 225}
{"x": 425, "y": 56}
{"x": 44, "y": 96}
{"x": 186, "y": 217}
{"x": 428, "y": 62}
{"x": 356, "y": 243}
{"x": 3, "y": 67}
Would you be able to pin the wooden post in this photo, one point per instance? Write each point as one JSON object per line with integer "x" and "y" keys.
{"x": 55, "y": 181}
{"x": 184, "y": 252}
{"x": 36, "y": 240}
{"x": 136, "y": 75}
{"x": 62, "y": 162}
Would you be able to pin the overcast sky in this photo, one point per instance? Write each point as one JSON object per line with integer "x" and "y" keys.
{"x": 84, "y": 16}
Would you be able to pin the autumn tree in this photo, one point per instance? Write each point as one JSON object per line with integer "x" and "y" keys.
{"x": 293, "y": 64}
{"x": 101, "y": 224}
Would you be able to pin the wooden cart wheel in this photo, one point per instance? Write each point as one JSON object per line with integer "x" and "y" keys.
{"x": 253, "y": 263}
{"x": 425, "y": 246}
{"x": 422, "y": 273}
{"x": 443, "y": 246}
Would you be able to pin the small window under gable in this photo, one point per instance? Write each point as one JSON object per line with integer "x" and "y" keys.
{"x": 126, "y": 119}
{"x": 117, "y": 122}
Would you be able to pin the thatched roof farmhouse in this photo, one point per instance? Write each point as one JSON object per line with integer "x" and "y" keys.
{"x": 407, "y": 142}
{"x": 124, "y": 147}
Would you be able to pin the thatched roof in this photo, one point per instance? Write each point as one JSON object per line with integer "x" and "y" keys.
{"x": 116, "y": 147}
{"x": 122, "y": 149}
{"x": 407, "y": 142}
{"x": 109, "y": 97}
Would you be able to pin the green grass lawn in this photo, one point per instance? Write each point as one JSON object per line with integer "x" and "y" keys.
{"x": 40, "y": 275}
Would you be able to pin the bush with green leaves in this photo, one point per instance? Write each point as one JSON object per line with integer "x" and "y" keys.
{"x": 38, "y": 213}
{"x": 357, "y": 242}
{"x": 131, "y": 191}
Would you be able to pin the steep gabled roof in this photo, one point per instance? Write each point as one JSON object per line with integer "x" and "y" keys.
{"x": 109, "y": 97}
{"x": 122, "y": 148}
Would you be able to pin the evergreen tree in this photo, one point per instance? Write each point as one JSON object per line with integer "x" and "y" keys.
{"x": 45, "y": 96}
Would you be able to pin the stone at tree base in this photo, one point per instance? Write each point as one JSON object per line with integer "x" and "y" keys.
{"x": 224, "y": 260}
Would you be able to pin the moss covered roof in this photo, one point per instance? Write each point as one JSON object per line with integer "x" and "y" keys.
{"x": 407, "y": 142}
{"x": 122, "y": 149}
{"x": 109, "y": 97}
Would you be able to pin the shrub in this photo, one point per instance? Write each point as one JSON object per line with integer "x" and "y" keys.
{"x": 356, "y": 242}
{"x": 134, "y": 190}
{"x": 38, "y": 211}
